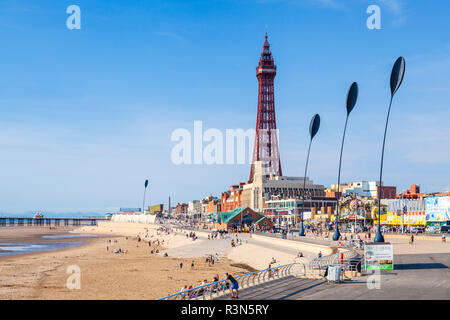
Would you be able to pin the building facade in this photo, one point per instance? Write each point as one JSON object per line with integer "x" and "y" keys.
{"x": 182, "y": 209}
{"x": 241, "y": 218}
{"x": 232, "y": 198}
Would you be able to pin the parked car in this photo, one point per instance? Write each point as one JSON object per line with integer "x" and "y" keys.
{"x": 418, "y": 230}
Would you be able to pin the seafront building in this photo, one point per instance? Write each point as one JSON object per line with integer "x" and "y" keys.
{"x": 242, "y": 218}
{"x": 369, "y": 189}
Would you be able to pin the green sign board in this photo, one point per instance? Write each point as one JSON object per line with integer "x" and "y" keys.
{"x": 379, "y": 256}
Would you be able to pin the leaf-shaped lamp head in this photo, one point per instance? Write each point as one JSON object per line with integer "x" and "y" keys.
{"x": 352, "y": 96}
{"x": 314, "y": 125}
{"x": 146, "y": 183}
{"x": 398, "y": 71}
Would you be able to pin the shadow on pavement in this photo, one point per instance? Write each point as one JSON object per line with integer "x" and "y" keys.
{"x": 417, "y": 266}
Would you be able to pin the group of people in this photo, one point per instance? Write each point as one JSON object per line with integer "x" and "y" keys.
{"x": 211, "y": 259}
{"x": 213, "y": 236}
{"x": 118, "y": 250}
{"x": 215, "y": 286}
{"x": 191, "y": 235}
{"x": 236, "y": 242}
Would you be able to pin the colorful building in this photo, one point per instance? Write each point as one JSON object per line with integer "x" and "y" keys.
{"x": 213, "y": 206}
{"x": 182, "y": 208}
{"x": 231, "y": 199}
{"x": 243, "y": 217}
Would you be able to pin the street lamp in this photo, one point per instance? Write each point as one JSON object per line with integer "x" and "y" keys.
{"x": 352, "y": 96}
{"x": 143, "y": 202}
{"x": 313, "y": 128}
{"x": 397, "y": 74}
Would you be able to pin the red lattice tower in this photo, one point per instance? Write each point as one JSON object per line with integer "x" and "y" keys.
{"x": 265, "y": 148}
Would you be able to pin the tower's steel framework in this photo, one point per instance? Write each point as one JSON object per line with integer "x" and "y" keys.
{"x": 265, "y": 148}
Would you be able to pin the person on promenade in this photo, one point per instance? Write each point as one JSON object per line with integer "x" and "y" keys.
{"x": 234, "y": 286}
{"x": 184, "y": 289}
{"x": 411, "y": 241}
{"x": 443, "y": 237}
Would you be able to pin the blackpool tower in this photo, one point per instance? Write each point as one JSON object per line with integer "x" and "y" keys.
{"x": 265, "y": 148}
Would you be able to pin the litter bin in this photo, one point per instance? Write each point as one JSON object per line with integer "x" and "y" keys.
{"x": 334, "y": 274}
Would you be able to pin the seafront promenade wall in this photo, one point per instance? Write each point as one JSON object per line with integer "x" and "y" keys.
{"x": 297, "y": 245}
{"x": 134, "y": 218}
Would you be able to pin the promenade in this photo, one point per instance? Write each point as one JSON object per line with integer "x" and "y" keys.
{"x": 421, "y": 271}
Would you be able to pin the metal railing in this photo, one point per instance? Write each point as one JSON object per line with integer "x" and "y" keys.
{"x": 348, "y": 259}
{"x": 223, "y": 287}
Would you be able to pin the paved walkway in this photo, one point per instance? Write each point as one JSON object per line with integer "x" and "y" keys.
{"x": 420, "y": 276}
{"x": 282, "y": 289}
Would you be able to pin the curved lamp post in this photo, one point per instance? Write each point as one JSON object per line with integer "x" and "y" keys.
{"x": 352, "y": 96}
{"x": 143, "y": 202}
{"x": 313, "y": 128}
{"x": 397, "y": 74}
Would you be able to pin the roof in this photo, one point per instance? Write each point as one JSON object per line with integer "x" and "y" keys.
{"x": 259, "y": 220}
{"x": 228, "y": 216}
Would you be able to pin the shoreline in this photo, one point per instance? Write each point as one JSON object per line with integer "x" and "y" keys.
{"x": 104, "y": 275}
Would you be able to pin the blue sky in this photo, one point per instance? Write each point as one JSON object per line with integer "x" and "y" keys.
{"x": 86, "y": 115}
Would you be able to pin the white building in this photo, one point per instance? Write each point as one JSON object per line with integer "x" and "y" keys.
{"x": 194, "y": 207}
{"x": 361, "y": 189}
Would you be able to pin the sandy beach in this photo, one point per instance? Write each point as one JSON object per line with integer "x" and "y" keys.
{"x": 137, "y": 274}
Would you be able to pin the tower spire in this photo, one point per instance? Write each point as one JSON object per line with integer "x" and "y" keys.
{"x": 265, "y": 148}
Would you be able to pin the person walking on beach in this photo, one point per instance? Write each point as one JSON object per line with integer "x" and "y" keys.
{"x": 192, "y": 264}
{"x": 234, "y": 286}
{"x": 181, "y": 265}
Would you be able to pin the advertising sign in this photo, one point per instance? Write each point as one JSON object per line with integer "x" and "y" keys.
{"x": 157, "y": 208}
{"x": 437, "y": 209}
{"x": 378, "y": 256}
{"x": 130, "y": 209}
{"x": 409, "y": 218}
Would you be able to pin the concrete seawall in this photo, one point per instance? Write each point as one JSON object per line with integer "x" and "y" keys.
{"x": 297, "y": 245}
{"x": 134, "y": 218}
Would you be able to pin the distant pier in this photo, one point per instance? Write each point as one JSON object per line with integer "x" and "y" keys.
{"x": 48, "y": 222}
